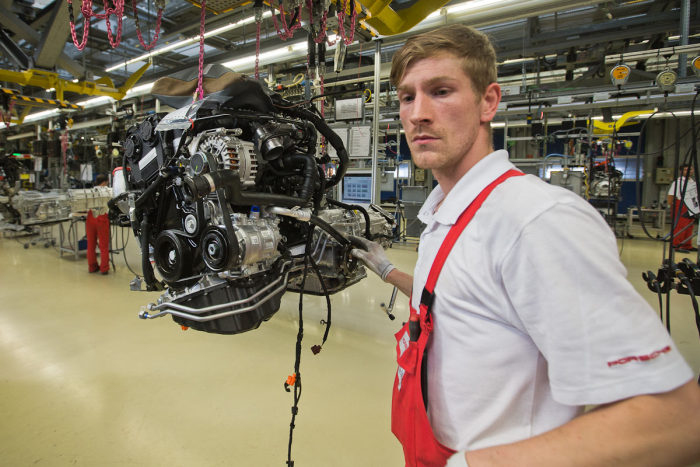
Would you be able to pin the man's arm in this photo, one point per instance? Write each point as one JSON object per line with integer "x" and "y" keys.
{"x": 401, "y": 280}
{"x": 647, "y": 430}
{"x": 373, "y": 256}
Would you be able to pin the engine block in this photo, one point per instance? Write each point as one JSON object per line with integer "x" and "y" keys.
{"x": 228, "y": 199}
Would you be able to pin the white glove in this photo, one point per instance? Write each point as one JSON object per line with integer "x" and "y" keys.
{"x": 458, "y": 459}
{"x": 372, "y": 255}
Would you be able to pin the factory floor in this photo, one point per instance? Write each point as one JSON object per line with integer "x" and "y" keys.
{"x": 85, "y": 382}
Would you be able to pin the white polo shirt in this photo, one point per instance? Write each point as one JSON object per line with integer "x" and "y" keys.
{"x": 690, "y": 197}
{"x": 533, "y": 315}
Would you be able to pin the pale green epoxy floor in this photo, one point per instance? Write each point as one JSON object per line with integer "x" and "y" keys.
{"x": 83, "y": 381}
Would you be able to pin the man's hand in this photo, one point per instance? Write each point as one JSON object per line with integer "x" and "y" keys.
{"x": 372, "y": 255}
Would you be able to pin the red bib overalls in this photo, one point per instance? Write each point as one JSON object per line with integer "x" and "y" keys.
{"x": 409, "y": 419}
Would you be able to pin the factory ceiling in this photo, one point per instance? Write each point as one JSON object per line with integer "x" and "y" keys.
{"x": 562, "y": 44}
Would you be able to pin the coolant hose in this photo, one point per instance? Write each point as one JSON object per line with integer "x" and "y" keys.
{"x": 200, "y": 186}
{"x": 310, "y": 173}
{"x": 332, "y": 138}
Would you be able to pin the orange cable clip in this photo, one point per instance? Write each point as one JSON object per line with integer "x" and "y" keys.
{"x": 291, "y": 379}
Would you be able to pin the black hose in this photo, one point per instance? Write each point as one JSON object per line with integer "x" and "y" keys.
{"x": 112, "y": 203}
{"x": 330, "y": 135}
{"x": 637, "y": 184}
{"x": 319, "y": 194}
{"x": 356, "y": 207}
{"x": 684, "y": 280}
{"x": 328, "y": 228}
{"x": 309, "y": 171}
{"x": 200, "y": 186}
{"x": 146, "y": 267}
{"x": 150, "y": 191}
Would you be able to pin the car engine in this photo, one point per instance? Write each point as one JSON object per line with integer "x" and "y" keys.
{"x": 227, "y": 198}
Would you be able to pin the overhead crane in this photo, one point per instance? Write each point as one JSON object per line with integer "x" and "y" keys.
{"x": 50, "y": 80}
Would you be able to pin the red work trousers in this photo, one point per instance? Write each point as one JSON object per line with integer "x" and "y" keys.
{"x": 97, "y": 231}
{"x": 683, "y": 231}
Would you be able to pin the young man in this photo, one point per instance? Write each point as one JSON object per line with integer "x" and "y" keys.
{"x": 97, "y": 232}
{"x": 531, "y": 317}
{"x": 683, "y": 199}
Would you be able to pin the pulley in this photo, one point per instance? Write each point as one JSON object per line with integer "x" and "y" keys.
{"x": 172, "y": 255}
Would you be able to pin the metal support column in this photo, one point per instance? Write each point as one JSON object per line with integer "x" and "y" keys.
{"x": 376, "y": 195}
{"x": 685, "y": 26}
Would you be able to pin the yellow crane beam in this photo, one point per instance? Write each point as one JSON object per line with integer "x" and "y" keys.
{"x": 380, "y": 16}
{"x": 14, "y": 100}
{"x": 610, "y": 127}
{"x": 387, "y": 21}
{"x": 48, "y": 79}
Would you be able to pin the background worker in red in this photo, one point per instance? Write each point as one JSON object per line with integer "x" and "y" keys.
{"x": 531, "y": 317}
{"x": 97, "y": 231}
{"x": 683, "y": 199}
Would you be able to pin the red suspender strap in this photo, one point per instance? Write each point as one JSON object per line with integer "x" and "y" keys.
{"x": 454, "y": 233}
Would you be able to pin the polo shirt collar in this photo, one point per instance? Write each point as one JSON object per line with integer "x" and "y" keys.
{"x": 465, "y": 191}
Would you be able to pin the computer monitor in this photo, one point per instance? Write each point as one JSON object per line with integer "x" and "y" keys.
{"x": 357, "y": 188}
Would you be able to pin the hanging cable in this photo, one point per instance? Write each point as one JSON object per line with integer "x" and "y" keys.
{"x": 88, "y": 14}
{"x": 64, "y": 151}
{"x": 287, "y": 31}
{"x": 347, "y": 38}
{"x": 199, "y": 94}
{"x": 119, "y": 11}
{"x": 327, "y": 322}
{"x": 294, "y": 380}
{"x": 160, "y": 4}
{"x": 258, "y": 21}
{"x": 321, "y": 35}
{"x": 86, "y": 23}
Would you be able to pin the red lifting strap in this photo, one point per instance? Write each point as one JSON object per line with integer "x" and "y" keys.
{"x": 456, "y": 231}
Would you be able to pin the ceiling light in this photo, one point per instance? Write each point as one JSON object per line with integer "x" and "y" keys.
{"x": 471, "y": 6}
{"x": 139, "y": 90}
{"x": 188, "y": 41}
{"x": 95, "y": 101}
{"x": 41, "y": 115}
{"x": 291, "y": 50}
{"x": 295, "y": 50}
{"x": 516, "y": 61}
{"x": 461, "y": 8}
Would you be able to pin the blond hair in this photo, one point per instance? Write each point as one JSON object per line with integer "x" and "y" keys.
{"x": 471, "y": 46}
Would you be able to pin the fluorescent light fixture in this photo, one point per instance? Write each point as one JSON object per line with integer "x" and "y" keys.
{"x": 188, "y": 41}
{"x": 294, "y": 50}
{"x": 41, "y": 115}
{"x": 472, "y": 5}
{"x": 461, "y": 8}
{"x": 291, "y": 50}
{"x": 516, "y": 61}
{"x": 139, "y": 90}
{"x": 95, "y": 101}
